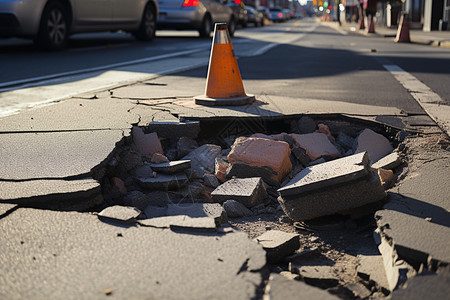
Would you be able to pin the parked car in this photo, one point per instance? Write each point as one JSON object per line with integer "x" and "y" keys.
{"x": 239, "y": 11}
{"x": 199, "y": 15}
{"x": 288, "y": 14}
{"x": 255, "y": 17}
{"x": 51, "y": 22}
{"x": 276, "y": 15}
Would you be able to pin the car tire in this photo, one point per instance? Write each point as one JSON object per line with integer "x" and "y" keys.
{"x": 147, "y": 28}
{"x": 232, "y": 26}
{"x": 205, "y": 29}
{"x": 54, "y": 27}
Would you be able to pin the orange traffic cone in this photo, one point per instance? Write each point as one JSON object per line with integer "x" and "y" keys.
{"x": 371, "y": 26}
{"x": 403, "y": 30}
{"x": 361, "y": 23}
{"x": 223, "y": 84}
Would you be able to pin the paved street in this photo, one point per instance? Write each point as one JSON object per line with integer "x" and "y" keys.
{"x": 111, "y": 123}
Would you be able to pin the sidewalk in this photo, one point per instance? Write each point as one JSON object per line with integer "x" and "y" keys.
{"x": 433, "y": 38}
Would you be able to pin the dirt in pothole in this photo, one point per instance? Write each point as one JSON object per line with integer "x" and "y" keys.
{"x": 331, "y": 241}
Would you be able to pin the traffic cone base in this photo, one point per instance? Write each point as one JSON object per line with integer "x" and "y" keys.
{"x": 224, "y": 83}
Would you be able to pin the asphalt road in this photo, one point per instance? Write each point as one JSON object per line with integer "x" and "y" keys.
{"x": 300, "y": 58}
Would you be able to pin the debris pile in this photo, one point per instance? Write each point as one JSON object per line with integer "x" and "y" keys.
{"x": 179, "y": 181}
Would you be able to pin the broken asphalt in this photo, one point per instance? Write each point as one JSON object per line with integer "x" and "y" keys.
{"x": 54, "y": 157}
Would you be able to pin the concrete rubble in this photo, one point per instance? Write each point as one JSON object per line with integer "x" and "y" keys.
{"x": 331, "y": 187}
{"x": 261, "y": 153}
{"x": 170, "y": 199}
{"x": 278, "y": 244}
{"x": 248, "y": 191}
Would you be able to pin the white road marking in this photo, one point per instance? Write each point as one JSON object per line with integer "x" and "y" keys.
{"x": 431, "y": 102}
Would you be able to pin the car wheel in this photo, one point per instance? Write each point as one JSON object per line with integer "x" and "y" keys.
{"x": 232, "y": 26}
{"x": 205, "y": 30}
{"x": 147, "y": 29}
{"x": 54, "y": 27}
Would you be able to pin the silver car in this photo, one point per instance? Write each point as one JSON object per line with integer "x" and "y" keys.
{"x": 199, "y": 15}
{"x": 50, "y": 22}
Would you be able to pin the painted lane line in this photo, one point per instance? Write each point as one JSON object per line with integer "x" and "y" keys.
{"x": 432, "y": 103}
{"x": 23, "y": 83}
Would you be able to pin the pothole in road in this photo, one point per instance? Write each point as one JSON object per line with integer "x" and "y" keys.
{"x": 320, "y": 180}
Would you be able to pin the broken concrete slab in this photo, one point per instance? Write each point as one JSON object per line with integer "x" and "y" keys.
{"x": 375, "y": 144}
{"x": 320, "y": 276}
{"x": 281, "y": 288}
{"x": 146, "y": 144}
{"x": 163, "y": 182}
{"x": 397, "y": 270}
{"x": 55, "y": 194}
{"x": 248, "y": 191}
{"x": 120, "y": 213}
{"x": 327, "y": 174}
{"x": 425, "y": 194}
{"x": 358, "y": 290}
{"x": 425, "y": 286}
{"x": 242, "y": 170}
{"x": 80, "y": 257}
{"x": 173, "y": 130}
{"x": 331, "y": 187}
{"x": 415, "y": 240}
{"x": 262, "y": 153}
{"x": 203, "y": 159}
{"x": 53, "y": 155}
{"x": 388, "y": 162}
{"x": 278, "y": 244}
{"x": 171, "y": 167}
{"x": 181, "y": 222}
{"x": 236, "y": 209}
{"x": 316, "y": 145}
{"x": 371, "y": 269}
{"x": 198, "y": 210}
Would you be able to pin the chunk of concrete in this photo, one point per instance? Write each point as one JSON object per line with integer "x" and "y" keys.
{"x": 220, "y": 169}
{"x": 248, "y": 191}
{"x": 242, "y": 170}
{"x": 182, "y": 222}
{"x": 281, "y": 288}
{"x": 371, "y": 269}
{"x": 120, "y": 213}
{"x": 163, "y": 182}
{"x": 173, "y": 130}
{"x": 211, "y": 180}
{"x": 331, "y": 187}
{"x": 203, "y": 159}
{"x": 388, "y": 162}
{"x": 236, "y": 209}
{"x": 376, "y": 145}
{"x": 259, "y": 152}
{"x": 301, "y": 155}
{"x": 172, "y": 167}
{"x": 199, "y": 210}
{"x": 344, "y": 140}
{"x": 316, "y": 145}
{"x": 146, "y": 144}
{"x": 278, "y": 244}
{"x": 425, "y": 286}
{"x": 320, "y": 276}
{"x": 304, "y": 125}
{"x": 158, "y": 158}
{"x": 415, "y": 240}
{"x": 144, "y": 171}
